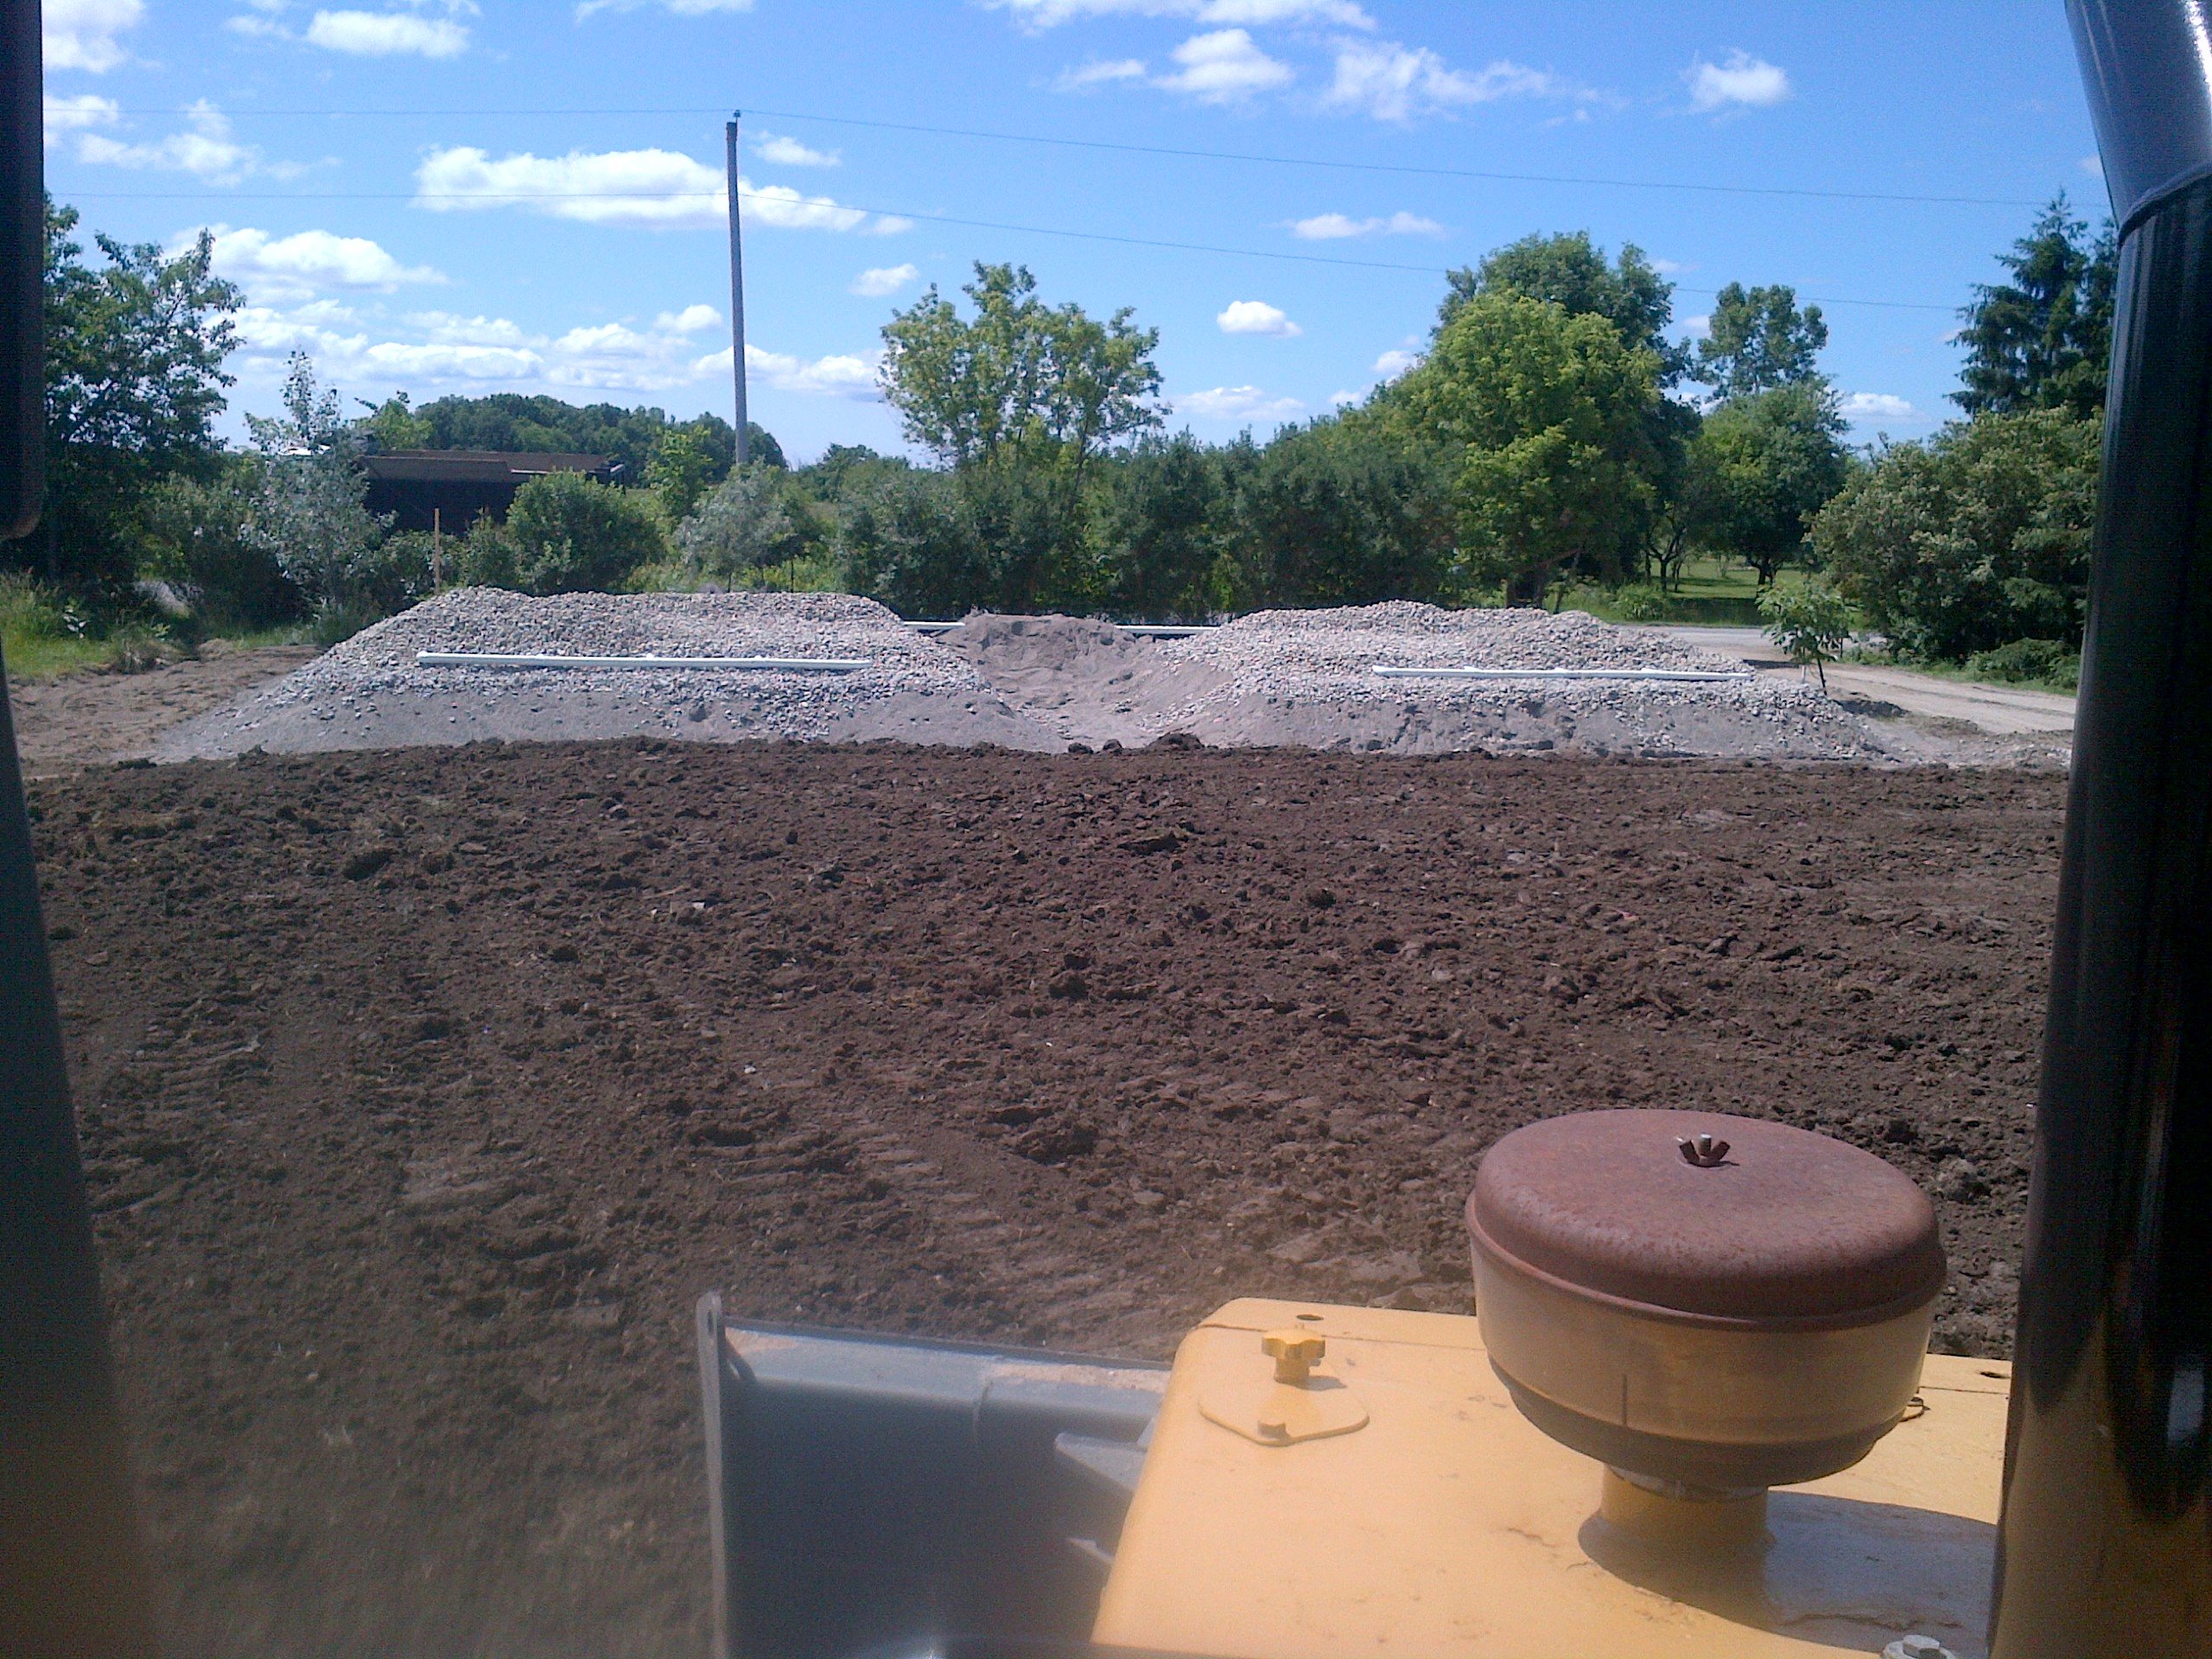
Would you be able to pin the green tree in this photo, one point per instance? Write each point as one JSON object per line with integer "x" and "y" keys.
{"x": 1019, "y": 401}
{"x": 1021, "y": 379}
{"x": 747, "y": 522}
{"x": 134, "y": 381}
{"x": 1761, "y": 467}
{"x": 2042, "y": 340}
{"x": 1758, "y": 340}
{"x": 310, "y": 515}
{"x": 200, "y": 536}
{"x": 1163, "y": 533}
{"x": 1543, "y": 420}
{"x": 1977, "y": 538}
{"x": 567, "y": 533}
{"x": 1570, "y": 272}
{"x": 1811, "y": 623}
{"x": 1342, "y": 510}
{"x": 393, "y": 424}
{"x": 684, "y": 467}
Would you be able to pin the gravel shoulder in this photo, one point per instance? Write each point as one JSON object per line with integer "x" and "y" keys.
{"x": 422, "y": 1092}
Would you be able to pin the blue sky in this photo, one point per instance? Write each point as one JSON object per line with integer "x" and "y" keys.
{"x": 536, "y": 207}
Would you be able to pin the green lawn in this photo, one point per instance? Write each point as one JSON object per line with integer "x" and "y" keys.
{"x": 1714, "y": 592}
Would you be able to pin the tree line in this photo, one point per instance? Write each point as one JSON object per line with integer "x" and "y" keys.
{"x": 1553, "y": 436}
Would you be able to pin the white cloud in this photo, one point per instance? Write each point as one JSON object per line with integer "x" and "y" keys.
{"x": 660, "y": 188}
{"x": 1744, "y": 80}
{"x": 1697, "y": 327}
{"x": 789, "y": 152}
{"x": 880, "y": 280}
{"x": 1865, "y": 408}
{"x": 1223, "y": 67}
{"x": 1395, "y": 83}
{"x": 1394, "y": 363}
{"x": 1343, "y": 399}
{"x": 690, "y": 321}
{"x": 1258, "y": 317}
{"x": 67, "y": 115}
{"x": 1237, "y": 404}
{"x": 80, "y": 34}
{"x": 1049, "y": 14}
{"x": 840, "y": 375}
{"x": 681, "y": 8}
{"x": 2092, "y": 165}
{"x": 1336, "y": 227}
{"x": 1097, "y": 73}
{"x": 387, "y": 34}
{"x": 425, "y": 350}
{"x": 275, "y": 269}
{"x": 206, "y": 149}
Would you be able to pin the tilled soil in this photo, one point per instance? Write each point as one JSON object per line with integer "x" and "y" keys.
{"x": 422, "y": 1092}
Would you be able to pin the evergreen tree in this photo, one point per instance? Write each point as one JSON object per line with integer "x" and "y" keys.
{"x": 2042, "y": 340}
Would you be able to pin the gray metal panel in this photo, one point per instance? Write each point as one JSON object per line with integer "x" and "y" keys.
{"x": 868, "y": 1491}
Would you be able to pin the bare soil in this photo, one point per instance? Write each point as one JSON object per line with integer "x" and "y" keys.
{"x": 79, "y": 720}
{"x": 422, "y": 1092}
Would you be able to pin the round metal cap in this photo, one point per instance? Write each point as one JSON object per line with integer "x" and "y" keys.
{"x": 1708, "y": 1216}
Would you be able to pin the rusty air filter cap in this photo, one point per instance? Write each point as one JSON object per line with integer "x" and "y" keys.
{"x": 1707, "y": 1216}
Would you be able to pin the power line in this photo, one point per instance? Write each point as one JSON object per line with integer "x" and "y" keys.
{"x": 1257, "y": 157}
{"x": 882, "y": 213}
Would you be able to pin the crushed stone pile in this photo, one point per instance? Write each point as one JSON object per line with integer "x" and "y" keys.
{"x": 371, "y": 693}
{"x": 1307, "y": 677}
{"x": 1298, "y": 678}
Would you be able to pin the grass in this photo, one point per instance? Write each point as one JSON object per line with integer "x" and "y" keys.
{"x": 1713, "y": 593}
{"x": 1960, "y": 673}
{"x": 44, "y": 638}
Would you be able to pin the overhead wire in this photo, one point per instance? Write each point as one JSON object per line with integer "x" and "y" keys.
{"x": 520, "y": 198}
{"x": 1481, "y": 175}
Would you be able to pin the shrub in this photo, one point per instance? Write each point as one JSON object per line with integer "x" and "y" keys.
{"x": 1811, "y": 623}
{"x": 743, "y": 523}
{"x": 1979, "y": 537}
{"x": 2045, "y": 661}
{"x": 198, "y": 536}
{"x": 1641, "y": 601}
{"x": 571, "y": 534}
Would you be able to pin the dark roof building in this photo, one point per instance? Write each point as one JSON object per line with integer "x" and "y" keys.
{"x": 453, "y": 488}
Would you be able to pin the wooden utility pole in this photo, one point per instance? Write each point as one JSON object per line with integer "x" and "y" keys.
{"x": 736, "y": 287}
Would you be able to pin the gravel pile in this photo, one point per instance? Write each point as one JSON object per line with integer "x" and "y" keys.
{"x": 1308, "y": 678}
{"x": 369, "y": 692}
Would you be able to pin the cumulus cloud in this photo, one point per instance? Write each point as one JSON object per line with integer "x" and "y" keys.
{"x": 67, "y": 115}
{"x": 1258, "y": 317}
{"x": 425, "y": 350}
{"x": 1085, "y": 77}
{"x": 1237, "y": 404}
{"x": 1865, "y": 408}
{"x": 1396, "y": 83}
{"x": 880, "y": 280}
{"x": 387, "y": 34}
{"x": 1223, "y": 67}
{"x": 274, "y": 269}
{"x": 843, "y": 374}
{"x": 206, "y": 148}
{"x": 789, "y": 152}
{"x": 81, "y": 33}
{"x": 1394, "y": 363}
{"x": 1336, "y": 227}
{"x": 657, "y": 188}
{"x": 690, "y": 321}
{"x": 1049, "y": 14}
{"x": 1743, "y": 81}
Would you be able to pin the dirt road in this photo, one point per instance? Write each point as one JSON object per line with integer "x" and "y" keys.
{"x": 422, "y": 1093}
{"x": 2001, "y": 710}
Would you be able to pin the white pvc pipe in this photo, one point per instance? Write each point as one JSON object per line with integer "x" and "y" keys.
{"x": 1663, "y": 674}
{"x": 524, "y": 659}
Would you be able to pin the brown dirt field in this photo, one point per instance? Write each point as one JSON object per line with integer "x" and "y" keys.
{"x": 422, "y": 1092}
{"x": 84, "y": 719}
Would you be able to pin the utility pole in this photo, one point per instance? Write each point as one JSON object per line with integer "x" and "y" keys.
{"x": 736, "y": 287}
